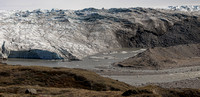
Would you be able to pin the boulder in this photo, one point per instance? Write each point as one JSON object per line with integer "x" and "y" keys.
{"x": 31, "y": 91}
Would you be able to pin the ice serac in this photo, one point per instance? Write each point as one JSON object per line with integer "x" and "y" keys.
{"x": 185, "y": 8}
{"x": 74, "y": 34}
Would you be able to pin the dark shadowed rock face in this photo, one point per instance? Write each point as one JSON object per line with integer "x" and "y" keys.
{"x": 161, "y": 57}
{"x": 181, "y": 32}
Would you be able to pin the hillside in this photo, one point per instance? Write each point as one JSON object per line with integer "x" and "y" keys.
{"x": 162, "y": 58}
{"x": 36, "y": 81}
{"x": 74, "y": 34}
{"x": 58, "y": 78}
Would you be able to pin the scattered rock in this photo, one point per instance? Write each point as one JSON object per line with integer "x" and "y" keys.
{"x": 31, "y": 91}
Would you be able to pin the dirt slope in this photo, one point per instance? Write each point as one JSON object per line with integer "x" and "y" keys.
{"x": 161, "y": 58}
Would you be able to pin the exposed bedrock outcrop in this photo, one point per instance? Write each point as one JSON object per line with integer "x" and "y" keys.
{"x": 76, "y": 34}
{"x": 162, "y": 33}
{"x": 164, "y": 57}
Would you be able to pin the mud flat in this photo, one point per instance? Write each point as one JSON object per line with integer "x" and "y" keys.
{"x": 145, "y": 77}
{"x": 172, "y": 66}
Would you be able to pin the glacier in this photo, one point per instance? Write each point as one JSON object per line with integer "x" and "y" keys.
{"x": 74, "y": 34}
{"x": 59, "y": 34}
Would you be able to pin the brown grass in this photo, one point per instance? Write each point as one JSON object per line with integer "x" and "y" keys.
{"x": 148, "y": 91}
{"x": 57, "y": 77}
{"x": 18, "y": 91}
{"x": 64, "y": 82}
{"x": 155, "y": 91}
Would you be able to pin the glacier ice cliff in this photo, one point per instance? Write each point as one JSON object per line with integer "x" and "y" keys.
{"x": 74, "y": 34}
{"x": 60, "y": 34}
